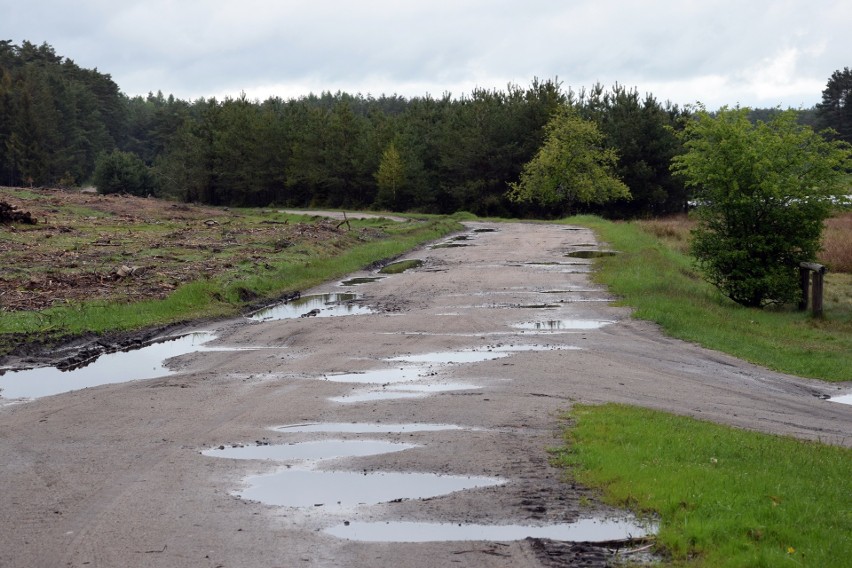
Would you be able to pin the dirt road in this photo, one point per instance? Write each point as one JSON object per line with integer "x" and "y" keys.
{"x": 115, "y": 475}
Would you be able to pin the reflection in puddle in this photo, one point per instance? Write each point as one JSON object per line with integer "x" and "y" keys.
{"x": 843, "y": 399}
{"x": 449, "y": 245}
{"x": 123, "y": 366}
{"x": 552, "y": 325}
{"x": 362, "y": 428}
{"x": 318, "y": 305}
{"x": 322, "y": 450}
{"x": 361, "y": 280}
{"x": 372, "y": 396}
{"x": 345, "y": 489}
{"x": 584, "y": 530}
{"x": 449, "y": 357}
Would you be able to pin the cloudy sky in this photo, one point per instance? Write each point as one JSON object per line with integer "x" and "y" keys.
{"x": 751, "y": 52}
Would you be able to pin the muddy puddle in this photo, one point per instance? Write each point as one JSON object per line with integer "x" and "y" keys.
{"x": 363, "y": 428}
{"x": 320, "y": 450}
{"x": 591, "y": 253}
{"x": 584, "y": 530}
{"x": 562, "y": 325}
{"x": 314, "y": 305}
{"x": 450, "y": 357}
{"x": 375, "y": 396}
{"x": 361, "y": 280}
{"x": 842, "y": 399}
{"x": 485, "y": 230}
{"x": 380, "y": 376}
{"x": 122, "y": 366}
{"x": 349, "y": 489}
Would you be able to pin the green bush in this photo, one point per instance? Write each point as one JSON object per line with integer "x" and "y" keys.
{"x": 123, "y": 172}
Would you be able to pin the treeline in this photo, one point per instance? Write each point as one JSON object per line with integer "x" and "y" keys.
{"x": 63, "y": 125}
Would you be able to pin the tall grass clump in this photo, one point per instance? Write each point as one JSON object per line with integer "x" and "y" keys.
{"x": 663, "y": 286}
{"x": 722, "y": 496}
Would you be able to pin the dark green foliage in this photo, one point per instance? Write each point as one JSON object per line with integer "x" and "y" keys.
{"x": 763, "y": 191}
{"x": 835, "y": 110}
{"x": 123, "y": 172}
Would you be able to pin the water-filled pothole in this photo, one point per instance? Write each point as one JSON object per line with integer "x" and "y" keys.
{"x": 346, "y": 489}
{"x": 314, "y": 305}
{"x": 556, "y": 325}
{"x": 450, "y": 357}
{"x": 363, "y": 428}
{"x": 591, "y": 253}
{"x": 842, "y": 399}
{"x": 119, "y": 367}
{"x": 401, "y": 266}
{"x": 584, "y": 530}
{"x": 485, "y": 230}
{"x": 360, "y": 280}
{"x": 380, "y": 376}
{"x": 374, "y": 396}
{"x": 449, "y": 245}
{"x": 319, "y": 450}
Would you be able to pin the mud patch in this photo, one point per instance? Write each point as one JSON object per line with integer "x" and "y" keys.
{"x": 363, "y": 428}
{"x": 485, "y": 230}
{"x": 314, "y": 305}
{"x": 562, "y": 325}
{"x": 349, "y": 489}
{"x": 123, "y": 366}
{"x": 591, "y": 253}
{"x": 584, "y": 530}
{"x": 450, "y": 357}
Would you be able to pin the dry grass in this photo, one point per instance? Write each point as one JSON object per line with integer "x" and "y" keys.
{"x": 836, "y": 251}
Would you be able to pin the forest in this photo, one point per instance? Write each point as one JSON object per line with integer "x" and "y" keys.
{"x": 65, "y": 126}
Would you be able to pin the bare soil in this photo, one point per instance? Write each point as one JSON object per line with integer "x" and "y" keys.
{"x": 113, "y": 475}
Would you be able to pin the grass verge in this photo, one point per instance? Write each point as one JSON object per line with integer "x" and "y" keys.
{"x": 663, "y": 286}
{"x": 724, "y": 497}
{"x": 223, "y": 295}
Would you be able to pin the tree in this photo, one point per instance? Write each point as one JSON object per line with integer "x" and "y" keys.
{"x": 764, "y": 191}
{"x": 123, "y": 172}
{"x": 835, "y": 110}
{"x": 390, "y": 177}
{"x": 572, "y": 167}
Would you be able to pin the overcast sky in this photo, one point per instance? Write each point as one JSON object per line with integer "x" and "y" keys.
{"x": 756, "y": 53}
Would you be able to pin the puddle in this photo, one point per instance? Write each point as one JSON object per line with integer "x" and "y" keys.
{"x": 485, "y": 230}
{"x": 380, "y": 376}
{"x": 562, "y": 325}
{"x": 362, "y": 428}
{"x": 449, "y": 245}
{"x": 536, "y": 347}
{"x": 401, "y": 266}
{"x": 584, "y": 530}
{"x": 314, "y": 305}
{"x": 461, "y": 238}
{"x": 591, "y": 253}
{"x": 537, "y": 306}
{"x": 373, "y": 396}
{"x": 346, "y": 489}
{"x": 360, "y": 280}
{"x": 321, "y": 450}
{"x": 450, "y": 357}
{"x": 434, "y": 388}
{"x": 843, "y": 399}
{"x": 119, "y": 367}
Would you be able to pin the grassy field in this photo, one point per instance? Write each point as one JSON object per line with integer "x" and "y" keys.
{"x": 723, "y": 497}
{"x": 113, "y": 263}
{"x": 654, "y": 275}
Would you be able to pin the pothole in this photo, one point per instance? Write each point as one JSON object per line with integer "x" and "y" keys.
{"x": 363, "y": 428}
{"x": 360, "y": 280}
{"x": 348, "y": 489}
{"x": 319, "y": 450}
{"x": 591, "y": 253}
{"x": 123, "y": 366}
{"x": 374, "y": 396}
{"x": 485, "y": 230}
{"x": 380, "y": 376}
{"x": 842, "y": 399}
{"x": 450, "y": 357}
{"x": 401, "y": 266}
{"x": 584, "y": 530}
{"x": 314, "y": 305}
{"x": 557, "y": 325}
{"x": 449, "y": 245}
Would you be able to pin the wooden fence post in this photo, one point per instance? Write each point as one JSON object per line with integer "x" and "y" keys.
{"x": 818, "y": 271}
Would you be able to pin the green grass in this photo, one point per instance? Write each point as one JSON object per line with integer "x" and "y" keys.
{"x": 663, "y": 286}
{"x": 723, "y": 497}
{"x": 225, "y": 295}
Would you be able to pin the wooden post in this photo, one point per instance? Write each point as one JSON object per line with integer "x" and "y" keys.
{"x": 818, "y": 270}
{"x": 805, "y": 279}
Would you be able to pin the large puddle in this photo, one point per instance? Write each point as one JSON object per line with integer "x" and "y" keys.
{"x": 363, "y": 428}
{"x": 450, "y": 357}
{"x": 584, "y": 530}
{"x": 561, "y": 325}
{"x": 347, "y": 489}
{"x": 122, "y": 366}
{"x": 842, "y": 399}
{"x": 314, "y": 305}
{"x": 320, "y": 450}
{"x": 360, "y": 280}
